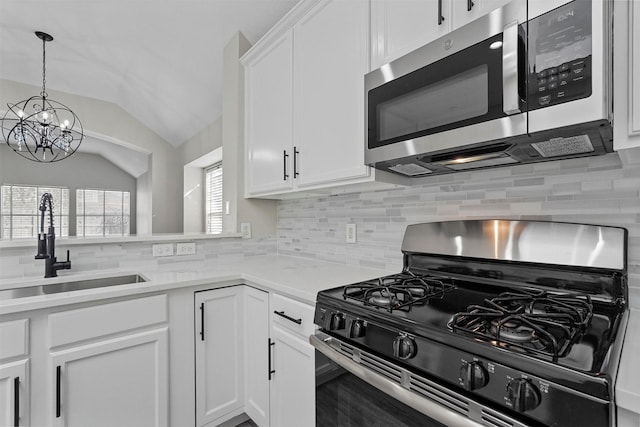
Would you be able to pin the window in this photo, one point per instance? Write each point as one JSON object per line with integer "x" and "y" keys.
{"x": 20, "y": 213}
{"x": 213, "y": 203}
{"x": 102, "y": 212}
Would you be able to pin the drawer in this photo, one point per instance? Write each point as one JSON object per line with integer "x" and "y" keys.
{"x": 292, "y": 315}
{"x": 14, "y": 339}
{"x": 72, "y": 326}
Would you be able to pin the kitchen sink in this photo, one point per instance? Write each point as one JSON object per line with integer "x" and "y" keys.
{"x": 73, "y": 285}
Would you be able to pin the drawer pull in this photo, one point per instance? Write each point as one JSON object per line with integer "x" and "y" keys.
{"x": 16, "y": 401}
{"x": 58, "y": 375}
{"x": 281, "y": 314}
{"x": 202, "y": 322}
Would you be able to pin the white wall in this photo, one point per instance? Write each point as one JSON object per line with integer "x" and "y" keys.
{"x": 107, "y": 119}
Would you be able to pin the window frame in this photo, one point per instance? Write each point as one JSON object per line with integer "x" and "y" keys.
{"x": 62, "y": 227}
{"x": 81, "y": 230}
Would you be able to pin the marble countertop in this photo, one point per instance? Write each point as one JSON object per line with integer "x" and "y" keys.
{"x": 297, "y": 278}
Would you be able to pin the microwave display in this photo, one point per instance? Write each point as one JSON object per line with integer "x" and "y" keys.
{"x": 560, "y": 55}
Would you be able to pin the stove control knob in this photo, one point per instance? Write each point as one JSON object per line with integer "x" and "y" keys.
{"x": 357, "y": 329}
{"x": 336, "y": 321}
{"x": 473, "y": 375}
{"x": 404, "y": 347}
{"x": 524, "y": 396}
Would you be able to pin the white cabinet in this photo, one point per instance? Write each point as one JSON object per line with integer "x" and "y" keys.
{"x": 464, "y": 11}
{"x": 626, "y": 67}
{"x": 304, "y": 101}
{"x": 293, "y": 363}
{"x": 219, "y": 355}
{"x": 400, "y": 26}
{"x": 116, "y": 382}
{"x": 108, "y": 364}
{"x": 14, "y": 373}
{"x": 268, "y": 117}
{"x": 330, "y": 60}
{"x": 14, "y": 386}
{"x": 257, "y": 352}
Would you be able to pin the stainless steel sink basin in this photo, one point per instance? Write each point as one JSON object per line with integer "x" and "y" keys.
{"x": 74, "y": 285}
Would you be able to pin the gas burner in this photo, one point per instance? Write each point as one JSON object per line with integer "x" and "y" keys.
{"x": 529, "y": 320}
{"x": 398, "y": 291}
{"x": 512, "y": 330}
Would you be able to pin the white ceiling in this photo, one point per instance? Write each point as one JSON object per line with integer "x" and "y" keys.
{"x": 160, "y": 60}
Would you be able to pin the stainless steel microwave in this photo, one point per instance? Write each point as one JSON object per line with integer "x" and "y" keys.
{"x": 507, "y": 88}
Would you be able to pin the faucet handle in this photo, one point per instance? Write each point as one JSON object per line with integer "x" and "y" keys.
{"x": 68, "y": 260}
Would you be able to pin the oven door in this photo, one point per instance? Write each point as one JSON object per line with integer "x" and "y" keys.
{"x": 355, "y": 388}
{"x": 464, "y": 88}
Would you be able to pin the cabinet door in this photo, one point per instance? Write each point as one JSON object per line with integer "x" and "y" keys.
{"x": 218, "y": 338}
{"x": 400, "y": 26}
{"x": 117, "y": 382}
{"x": 268, "y": 118}
{"x": 465, "y": 11}
{"x": 14, "y": 396}
{"x": 330, "y": 60}
{"x": 293, "y": 382}
{"x": 256, "y": 352}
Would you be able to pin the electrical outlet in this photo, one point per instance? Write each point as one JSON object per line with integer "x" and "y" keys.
{"x": 245, "y": 229}
{"x": 185, "y": 248}
{"x": 351, "y": 233}
{"x": 162, "y": 249}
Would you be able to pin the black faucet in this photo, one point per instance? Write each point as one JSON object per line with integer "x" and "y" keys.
{"x": 47, "y": 241}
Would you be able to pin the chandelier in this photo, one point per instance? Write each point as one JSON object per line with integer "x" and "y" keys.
{"x": 39, "y": 128}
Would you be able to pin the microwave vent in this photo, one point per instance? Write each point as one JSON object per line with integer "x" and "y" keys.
{"x": 564, "y": 146}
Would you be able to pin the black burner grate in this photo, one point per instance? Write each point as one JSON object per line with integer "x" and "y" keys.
{"x": 398, "y": 291}
{"x": 534, "y": 321}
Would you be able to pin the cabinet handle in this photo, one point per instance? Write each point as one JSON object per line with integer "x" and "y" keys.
{"x": 284, "y": 157}
{"x": 440, "y": 17}
{"x": 470, "y": 5}
{"x": 281, "y": 314}
{"x": 295, "y": 162}
{"x": 16, "y": 401}
{"x": 58, "y": 385}
{"x": 269, "y": 345}
{"x": 201, "y": 321}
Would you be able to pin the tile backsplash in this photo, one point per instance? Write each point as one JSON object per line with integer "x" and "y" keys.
{"x": 19, "y": 262}
{"x": 596, "y": 190}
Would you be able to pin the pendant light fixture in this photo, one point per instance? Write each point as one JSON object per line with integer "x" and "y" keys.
{"x": 39, "y": 128}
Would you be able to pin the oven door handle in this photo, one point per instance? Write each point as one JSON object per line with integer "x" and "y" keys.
{"x": 426, "y": 406}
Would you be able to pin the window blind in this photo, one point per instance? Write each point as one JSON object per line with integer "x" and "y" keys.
{"x": 213, "y": 202}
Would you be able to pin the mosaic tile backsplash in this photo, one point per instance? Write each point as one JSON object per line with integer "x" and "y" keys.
{"x": 595, "y": 190}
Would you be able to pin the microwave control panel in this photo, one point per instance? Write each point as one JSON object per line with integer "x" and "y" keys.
{"x": 560, "y": 54}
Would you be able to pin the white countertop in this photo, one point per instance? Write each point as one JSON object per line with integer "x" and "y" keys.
{"x": 628, "y": 382}
{"x": 298, "y": 278}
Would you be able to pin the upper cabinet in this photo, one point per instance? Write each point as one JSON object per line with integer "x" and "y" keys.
{"x": 330, "y": 60}
{"x": 626, "y": 68}
{"x": 304, "y": 101}
{"x": 400, "y": 26}
{"x": 269, "y": 115}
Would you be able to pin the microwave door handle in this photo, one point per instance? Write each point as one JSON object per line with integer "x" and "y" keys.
{"x": 510, "y": 96}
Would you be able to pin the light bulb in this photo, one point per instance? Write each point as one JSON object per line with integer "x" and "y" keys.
{"x": 45, "y": 116}
{"x": 20, "y": 113}
{"x": 66, "y": 123}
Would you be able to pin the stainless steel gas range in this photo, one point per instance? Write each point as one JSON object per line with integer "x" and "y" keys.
{"x": 491, "y": 322}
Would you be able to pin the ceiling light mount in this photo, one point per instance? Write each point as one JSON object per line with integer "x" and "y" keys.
{"x": 39, "y": 128}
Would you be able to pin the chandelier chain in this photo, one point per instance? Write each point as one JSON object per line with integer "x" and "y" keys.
{"x": 44, "y": 68}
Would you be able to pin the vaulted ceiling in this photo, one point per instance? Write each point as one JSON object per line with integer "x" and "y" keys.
{"x": 160, "y": 60}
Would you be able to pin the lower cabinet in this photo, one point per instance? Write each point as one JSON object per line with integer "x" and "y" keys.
{"x": 293, "y": 382}
{"x": 13, "y": 393}
{"x": 253, "y": 356}
{"x": 219, "y": 350}
{"x": 116, "y": 382}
